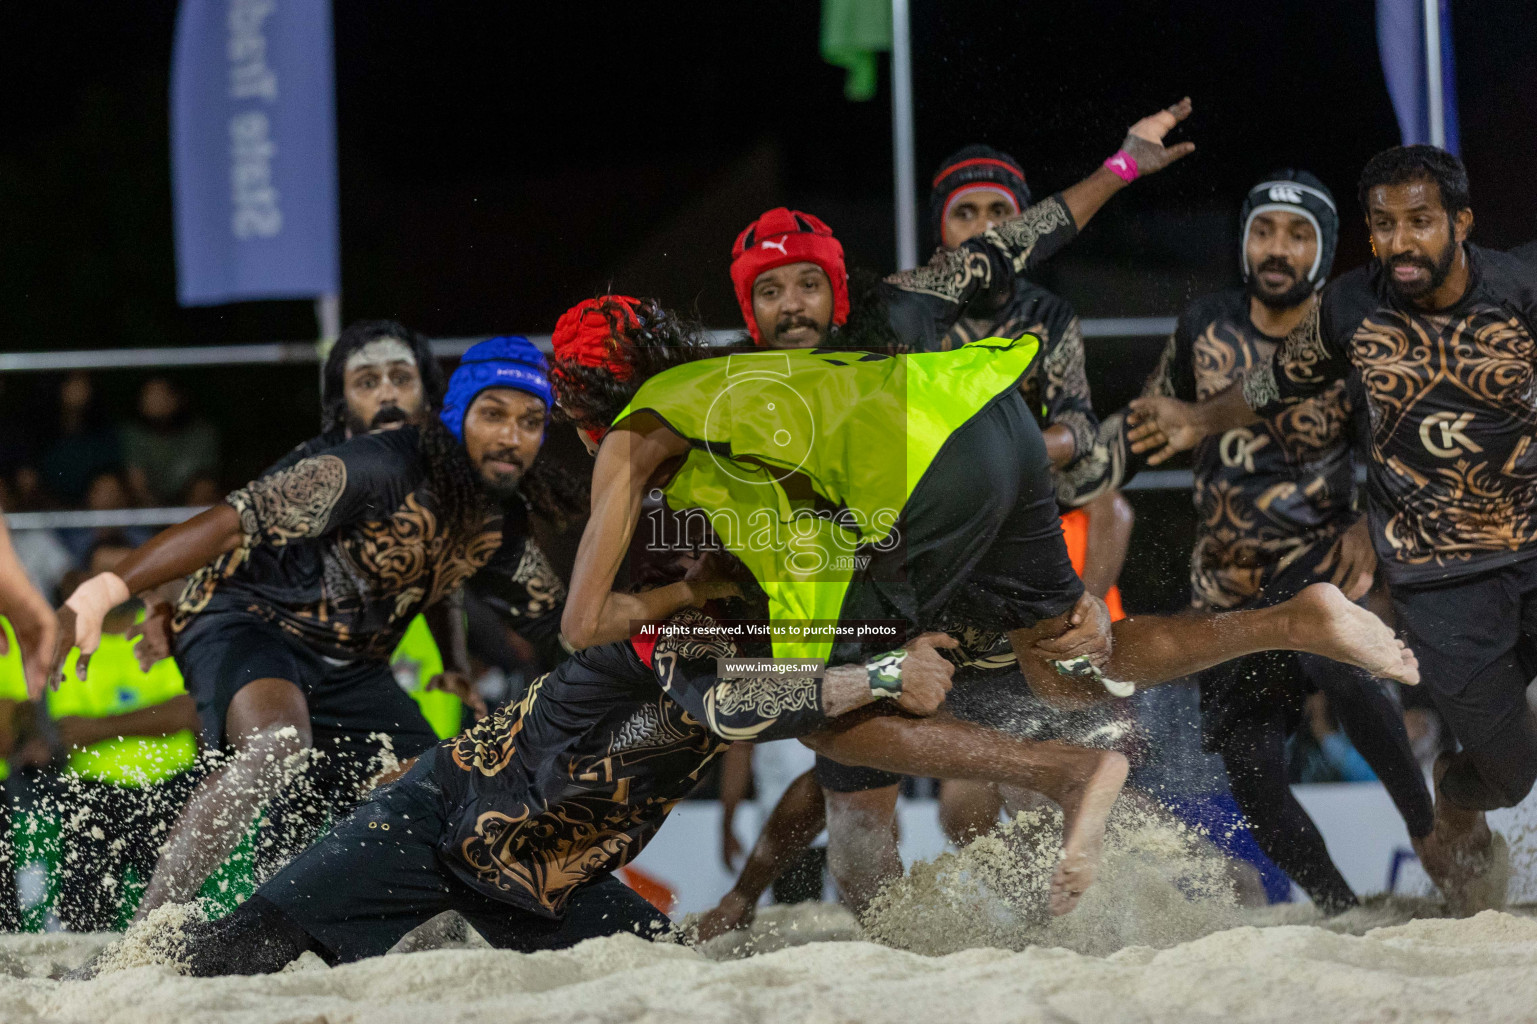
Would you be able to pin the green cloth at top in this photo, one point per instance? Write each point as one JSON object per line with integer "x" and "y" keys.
{"x": 861, "y": 429}
{"x": 13, "y": 683}
{"x": 853, "y": 32}
{"x": 415, "y": 661}
{"x": 115, "y": 685}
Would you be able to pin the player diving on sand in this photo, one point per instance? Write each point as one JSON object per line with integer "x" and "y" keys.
{"x": 858, "y": 487}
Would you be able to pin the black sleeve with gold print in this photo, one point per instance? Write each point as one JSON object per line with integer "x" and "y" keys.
{"x": 975, "y": 279}
{"x": 752, "y": 708}
{"x": 571, "y": 781}
{"x": 341, "y": 549}
{"x": 1452, "y": 397}
{"x": 521, "y": 584}
{"x": 1266, "y": 493}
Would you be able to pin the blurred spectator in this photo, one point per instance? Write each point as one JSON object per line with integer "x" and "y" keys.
{"x": 18, "y": 441}
{"x": 130, "y": 738}
{"x": 167, "y": 446}
{"x": 106, "y": 492}
{"x": 43, "y": 557}
{"x": 87, "y": 443}
{"x": 203, "y": 490}
{"x": 1321, "y": 752}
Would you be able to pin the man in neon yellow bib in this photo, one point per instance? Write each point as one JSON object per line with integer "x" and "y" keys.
{"x": 131, "y": 737}
{"x": 861, "y": 489}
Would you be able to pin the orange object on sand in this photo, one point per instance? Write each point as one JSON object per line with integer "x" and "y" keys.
{"x": 651, "y": 888}
{"x": 1075, "y": 530}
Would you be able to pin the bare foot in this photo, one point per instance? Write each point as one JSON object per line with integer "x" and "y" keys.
{"x": 1085, "y": 807}
{"x": 733, "y": 913}
{"x": 1325, "y": 622}
{"x": 1475, "y": 861}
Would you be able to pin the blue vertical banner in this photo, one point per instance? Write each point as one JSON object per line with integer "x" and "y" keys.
{"x": 253, "y": 151}
{"x": 1402, "y": 44}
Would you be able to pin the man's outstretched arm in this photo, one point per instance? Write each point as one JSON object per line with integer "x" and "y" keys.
{"x": 1162, "y": 427}
{"x": 172, "y": 553}
{"x": 1144, "y": 144}
{"x": 1311, "y": 359}
{"x": 595, "y": 613}
{"x": 924, "y": 302}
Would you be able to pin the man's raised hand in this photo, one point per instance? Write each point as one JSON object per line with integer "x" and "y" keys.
{"x": 1144, "y": 141}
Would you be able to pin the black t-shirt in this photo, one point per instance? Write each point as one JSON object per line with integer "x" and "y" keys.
{"x": 979, "y": 290}
{"x": 345, "y": 547}
{"x": 1453, "y": 402}
{"x": 1265, "y": 493}
{"x": 573, "y": 779}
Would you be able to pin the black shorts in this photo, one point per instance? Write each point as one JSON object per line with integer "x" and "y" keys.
{"x": 981, "y": 545}
{"x": 220, "y": 652}
{"x": 1264, "y": 685}
{"x": 1476, "y": 640}
{"x": 376, "y": 875}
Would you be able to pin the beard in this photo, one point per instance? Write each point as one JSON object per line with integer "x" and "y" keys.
{"x": 387, "y": 416}
{"x": 502, "y": 487}
{"x": 1439, "y": 271}
{"x": 1293, "y": 296}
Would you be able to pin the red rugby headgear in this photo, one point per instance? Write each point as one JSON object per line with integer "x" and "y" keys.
{"x": 783, "y": 236}
{"x": 585, "y": 335}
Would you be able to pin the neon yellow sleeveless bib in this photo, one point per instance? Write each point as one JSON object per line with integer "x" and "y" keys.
{"x": 782, "y": 436}
{"x": 115, "y": 685}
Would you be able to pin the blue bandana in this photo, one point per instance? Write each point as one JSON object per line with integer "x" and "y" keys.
{"x": 510, "y": 361}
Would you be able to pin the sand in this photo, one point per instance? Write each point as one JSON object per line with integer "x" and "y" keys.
{"x": 1160, "y": 938}
{"x": 1482, "y": 969}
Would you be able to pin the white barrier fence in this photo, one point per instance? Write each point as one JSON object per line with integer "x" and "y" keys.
{"x": 291, "y": 352}
{"x": 308, "y": 352}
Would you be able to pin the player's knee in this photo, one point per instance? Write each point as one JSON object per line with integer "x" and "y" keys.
{"x": 273, "y": 744}
{"x": 1511, "y": 778}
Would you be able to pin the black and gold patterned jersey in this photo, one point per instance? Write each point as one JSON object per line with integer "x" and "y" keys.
{"x": 573, "y": 779}
{"x": 978, "y": 291}
{"x": 1452, "y": 479}
{"x": 345, "y": 547}
{"x": 1267, "y": 493}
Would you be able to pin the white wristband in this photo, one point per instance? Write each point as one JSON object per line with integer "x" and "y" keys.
{"x": 91, "y": 602}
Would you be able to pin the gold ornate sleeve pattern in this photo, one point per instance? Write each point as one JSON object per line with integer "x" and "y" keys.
{"x": 293, "y": 504}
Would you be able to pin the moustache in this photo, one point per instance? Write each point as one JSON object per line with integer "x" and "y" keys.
{"x": 789, "y": 323}
{"x": 1405, "y": 259}
{"x": 388, "y": 414}
{"x": 505, "y": 455}
{"x": 1278, "y": 265}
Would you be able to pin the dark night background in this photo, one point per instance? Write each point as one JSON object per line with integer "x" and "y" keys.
{"x": 499, "y": 162}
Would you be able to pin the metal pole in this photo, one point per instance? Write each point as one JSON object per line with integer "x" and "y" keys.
{"x": 1434, "y": 108}
{"x": 902, "y": 136}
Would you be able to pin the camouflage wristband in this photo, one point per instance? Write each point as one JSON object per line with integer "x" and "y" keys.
{"x": 885, "y": 671}
{"x": 1084, "y": 668}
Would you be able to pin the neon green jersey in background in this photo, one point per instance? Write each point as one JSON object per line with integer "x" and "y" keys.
{"x": 13, "y": 684}
{"x": 115, "y": 685}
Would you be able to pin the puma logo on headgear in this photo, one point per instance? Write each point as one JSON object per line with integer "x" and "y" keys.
{"x": 780, "y": 245}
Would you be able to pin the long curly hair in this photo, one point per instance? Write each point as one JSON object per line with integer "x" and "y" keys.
{"x": 555, "y": 493}
{"x": 463, "y": 507}
{"x": 644, "y": 344}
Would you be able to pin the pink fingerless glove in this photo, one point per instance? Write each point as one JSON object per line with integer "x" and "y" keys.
{"x": 91, "y": 602}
